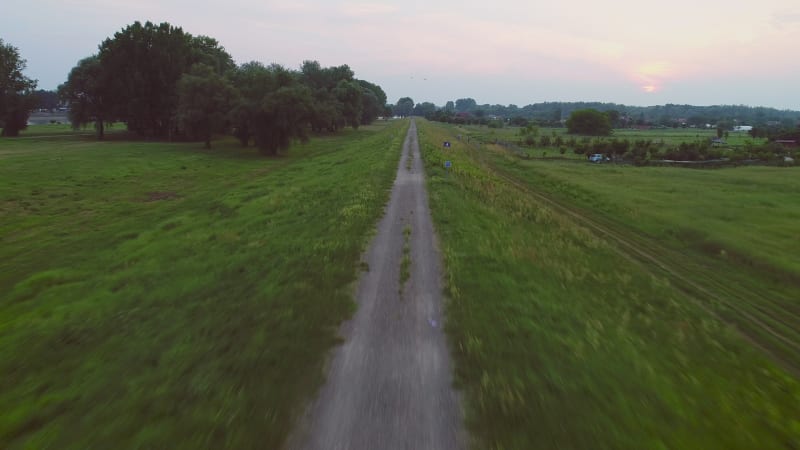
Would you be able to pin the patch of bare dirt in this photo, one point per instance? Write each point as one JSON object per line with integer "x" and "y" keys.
{"x": 161, "y": 195}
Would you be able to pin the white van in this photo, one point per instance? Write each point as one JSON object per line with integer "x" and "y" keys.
{"x": 596, "y": 158}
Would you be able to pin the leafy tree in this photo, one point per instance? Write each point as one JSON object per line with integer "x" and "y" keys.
{"x": 142, "y": 64}
{"x": 205, "y": 99}
{"x": 589, "y": 122}
{"x": 86, "y": 92}
{"x": 206, "y": 50}
{"x": 349, "y": 97}
{"x": 16, "y": 99}
{"x": 274, "y": 106}
{"x": 425, "y": 109}
{"x": 371, "y": 108}
{"x": 283, "y": 118}
{"x": 373, "y": 100}
{"x": 450, "y": 106}
{"x": 465, "y": 105}
{"x": 404, "y": 107}
{"x": 335, "y": 100}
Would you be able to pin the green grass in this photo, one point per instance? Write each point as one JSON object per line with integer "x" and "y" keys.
{"x": 747, "y": 211}
{"x": 561, "y": 340}
{"x": 405, "y": 262}
{"x": 62, "y": 130}
{"x": 160, "y": 295}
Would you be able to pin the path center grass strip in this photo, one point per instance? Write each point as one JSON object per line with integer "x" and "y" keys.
{"x": 159, "y": 295}
{"x": 561, "y": 342}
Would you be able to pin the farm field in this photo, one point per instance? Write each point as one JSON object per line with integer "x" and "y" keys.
{"x": 584, "y": 311}
{"x": 669, "y": 137}
{"x": 167, "y": 296}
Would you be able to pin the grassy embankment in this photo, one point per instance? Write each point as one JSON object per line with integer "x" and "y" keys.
{"x": 159, "y": 295}
{"x": 563, "y": 341}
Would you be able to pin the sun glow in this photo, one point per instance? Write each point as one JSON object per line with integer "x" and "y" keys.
{"x": 650, "y": 77}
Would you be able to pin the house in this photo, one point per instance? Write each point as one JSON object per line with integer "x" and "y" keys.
{"x": 786, "y": 142}
{"x": 742, "y": 128}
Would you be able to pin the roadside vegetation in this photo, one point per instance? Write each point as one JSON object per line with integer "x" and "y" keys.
{"x": 566, "y": 331}
{"x": 164, "y": 296}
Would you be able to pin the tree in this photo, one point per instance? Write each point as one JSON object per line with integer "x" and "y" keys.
{"x": 16, "y": 99}
{"x": 373, "y": 101}
{"x": 142, "y": 64}
{"x": 425, "y": 109}
{"x": 465, "y": 105}
{"x": 404, "y": 107}
{"x": 589, "y": 122}
{"x": 337, "y": 97}
{"x": 85, "y": 91}
{"x": 274, "y": 107}
{"x": 349, "y": 97}
{"x": 283, "y": 118}
{"x": 205, "y": 99}
{"x": 450, "y": 106}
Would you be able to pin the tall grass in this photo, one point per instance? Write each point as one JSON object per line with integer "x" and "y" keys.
{"x": 562, "y": 342}
{"x": 160, "y": 295}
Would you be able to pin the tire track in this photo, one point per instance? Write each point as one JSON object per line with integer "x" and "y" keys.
{"x": 755, "y": 330}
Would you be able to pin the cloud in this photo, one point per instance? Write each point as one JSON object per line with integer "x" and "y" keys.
{"x": 784, "y": 19}
{"x": 364, "y": 10}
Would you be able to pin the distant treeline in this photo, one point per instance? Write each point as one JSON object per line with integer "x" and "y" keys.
{"x": 645, "y": 151}
{"x": 165, "y": 83}
{"x": 556, "y": 113}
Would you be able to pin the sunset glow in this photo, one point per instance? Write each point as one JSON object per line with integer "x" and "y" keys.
{"x": 511, "y": 52}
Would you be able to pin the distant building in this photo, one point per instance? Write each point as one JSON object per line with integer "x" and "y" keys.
{"x": 742, "y": 128}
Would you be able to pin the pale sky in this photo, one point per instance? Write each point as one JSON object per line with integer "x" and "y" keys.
{"x": 636, "y": 52}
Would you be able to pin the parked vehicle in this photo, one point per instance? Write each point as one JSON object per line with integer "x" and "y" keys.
{"x": 596, "y": 158}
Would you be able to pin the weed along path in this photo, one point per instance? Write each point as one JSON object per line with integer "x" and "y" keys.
{"x": 389, "y": 384}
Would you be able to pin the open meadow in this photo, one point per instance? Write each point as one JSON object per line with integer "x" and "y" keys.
{"x": 593, "y": 306}
{"x": 162, "y": 295}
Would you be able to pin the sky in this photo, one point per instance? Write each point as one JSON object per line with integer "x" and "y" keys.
{"x": 498, "y": 52}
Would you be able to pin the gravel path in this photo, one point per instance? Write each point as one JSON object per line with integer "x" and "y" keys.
{"x": 389, "y": 384}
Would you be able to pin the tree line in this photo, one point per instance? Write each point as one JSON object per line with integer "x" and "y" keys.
{"x": 554, "y": 114}
{"x": 163, "y": 82}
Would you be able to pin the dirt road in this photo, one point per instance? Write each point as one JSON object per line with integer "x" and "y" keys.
{"x": 389, "y": 385}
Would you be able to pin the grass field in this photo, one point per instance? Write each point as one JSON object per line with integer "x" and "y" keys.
{"x": 666, "y": 135}
{"x": 669, "y": 137}
{"x": 566, "y": 331}
{"x": 160, "y": 295}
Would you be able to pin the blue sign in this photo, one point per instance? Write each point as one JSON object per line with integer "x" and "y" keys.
{"x": 447, "y": 164}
